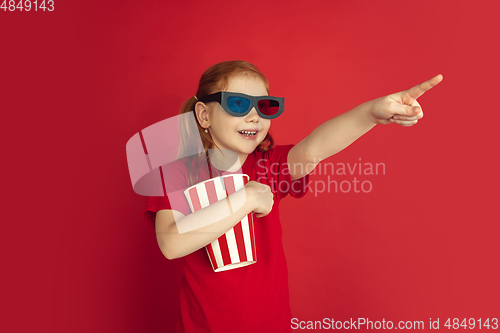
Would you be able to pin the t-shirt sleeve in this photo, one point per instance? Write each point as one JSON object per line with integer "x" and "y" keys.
{"x": 153, "y": 205}
{"x": 175, "y": 182}
{"x": 282, "y": 183}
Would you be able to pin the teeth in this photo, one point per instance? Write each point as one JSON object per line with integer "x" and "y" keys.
{"x": 248, "y": 132}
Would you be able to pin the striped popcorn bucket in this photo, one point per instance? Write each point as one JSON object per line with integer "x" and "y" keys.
{"x": 236, "y": 248}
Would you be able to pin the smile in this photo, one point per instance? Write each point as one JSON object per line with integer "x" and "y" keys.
{"x": 248, "y": 133}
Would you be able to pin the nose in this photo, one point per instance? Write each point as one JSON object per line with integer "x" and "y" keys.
{"x": 252, "y": 116}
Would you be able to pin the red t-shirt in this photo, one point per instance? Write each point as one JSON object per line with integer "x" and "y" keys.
{"x": 253, "y": 298}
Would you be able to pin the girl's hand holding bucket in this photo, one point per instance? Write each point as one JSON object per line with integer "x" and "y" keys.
{"x": 261, "y": 196}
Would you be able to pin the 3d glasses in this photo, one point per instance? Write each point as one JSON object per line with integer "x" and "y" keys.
{"x": 239, "y": 105}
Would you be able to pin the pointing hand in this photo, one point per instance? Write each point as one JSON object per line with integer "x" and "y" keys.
{"x": 402, "y": 108}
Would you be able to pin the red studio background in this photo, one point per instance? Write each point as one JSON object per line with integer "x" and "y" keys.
{"x": 78, "y": 82}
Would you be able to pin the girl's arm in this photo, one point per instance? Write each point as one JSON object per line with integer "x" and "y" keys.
{"x": 337, "y": 133}
{"x": 213, "y": 220}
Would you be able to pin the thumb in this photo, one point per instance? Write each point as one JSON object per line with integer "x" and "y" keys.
{"x": 398, "y": 108}
{"x": 412, "y": 110}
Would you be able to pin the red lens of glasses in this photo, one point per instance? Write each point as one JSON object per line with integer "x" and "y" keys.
{"x": 268, "y": 107}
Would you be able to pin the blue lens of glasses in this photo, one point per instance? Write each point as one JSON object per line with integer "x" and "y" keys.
{"x": 238, "y": 104}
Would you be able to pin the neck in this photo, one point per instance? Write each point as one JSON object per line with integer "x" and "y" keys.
{"x": 242, "y": 158}
{"x": 226, "y": 160}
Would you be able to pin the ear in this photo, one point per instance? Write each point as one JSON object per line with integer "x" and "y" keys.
{"x": 201, "y": 111}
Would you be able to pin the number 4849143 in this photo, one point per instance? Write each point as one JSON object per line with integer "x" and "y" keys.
{"x": 27, "y": 5}
{"x": 472, "y": 323}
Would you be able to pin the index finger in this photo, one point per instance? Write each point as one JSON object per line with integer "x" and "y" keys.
{"x": 421, "y": 88}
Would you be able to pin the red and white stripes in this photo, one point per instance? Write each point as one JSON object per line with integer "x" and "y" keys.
{"x": 236, "y": 248}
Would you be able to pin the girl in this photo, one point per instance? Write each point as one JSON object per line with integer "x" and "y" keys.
{"x": 254, "y": 298}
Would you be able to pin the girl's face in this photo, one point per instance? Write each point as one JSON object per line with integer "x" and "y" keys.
{"x": 226, "y": 130}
